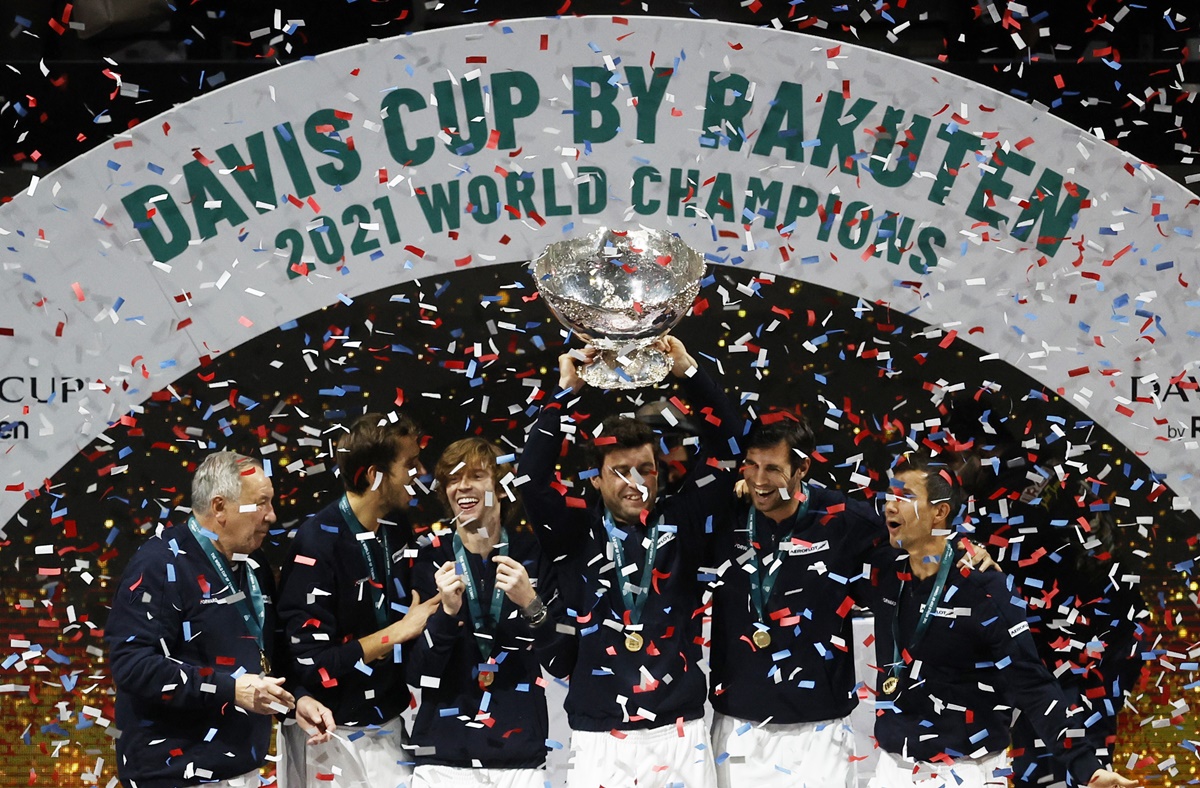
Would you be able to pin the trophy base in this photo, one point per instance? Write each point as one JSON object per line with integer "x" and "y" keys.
{"x": 613, "y": 369}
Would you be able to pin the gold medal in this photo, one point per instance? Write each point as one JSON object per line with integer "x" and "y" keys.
{"x": 263, "y": 663}
{"x": 633, "y": 642}
{"x": 890, "y": 684}
{"x": 761, "y": 638}
{"x": 486, "y": 679}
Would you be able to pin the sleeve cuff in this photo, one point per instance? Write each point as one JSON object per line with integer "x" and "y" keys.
{"x": 226, "y": 688}
{"x": 442, "y": 628}
{"x": 1084, "y": 765}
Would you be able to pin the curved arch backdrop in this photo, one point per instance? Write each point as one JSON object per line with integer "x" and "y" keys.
{"x": 1016, "y": 242}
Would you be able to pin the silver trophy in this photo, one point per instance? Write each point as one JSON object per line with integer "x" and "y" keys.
{"x": 621, "y": 291}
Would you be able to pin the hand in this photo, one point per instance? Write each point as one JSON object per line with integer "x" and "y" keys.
{"x": 451, "y": 587}
{"x": 413, "y": 623}
{"x": 514, "y": 579}
{"x": 1103, "y": 778}
{"x": 568, "y": 368}
{"x": 740, "y": 488}
{"x": 380, "y": 644}
{"x": 262, "y": 694}
{"x": 683, "y": 361}
{"x": 315, "y": 718}
{"x": 977, "y": 557}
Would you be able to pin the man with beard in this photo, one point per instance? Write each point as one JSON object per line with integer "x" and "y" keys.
{"x": 783, "y": 684}
{"x": 346, "y": 606}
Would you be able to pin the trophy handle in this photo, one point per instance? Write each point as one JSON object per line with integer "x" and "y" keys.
{"x": 631, "y": 367}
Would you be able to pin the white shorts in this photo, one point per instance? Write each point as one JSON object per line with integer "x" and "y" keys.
{"x": 678, "y": 756}
{"x": 893, "y": 771}
{"x": 356, "y": 757}
{"x": 802, "y": 755}
{"x": 457, "y": 777}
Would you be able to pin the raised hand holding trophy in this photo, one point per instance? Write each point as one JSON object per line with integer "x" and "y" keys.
{"x": 621, "y": 291}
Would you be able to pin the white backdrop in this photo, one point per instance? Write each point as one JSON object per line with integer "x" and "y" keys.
{"x": 326, "y": 179}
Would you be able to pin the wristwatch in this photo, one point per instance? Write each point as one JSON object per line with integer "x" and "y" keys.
{"x": 536, "y": 612}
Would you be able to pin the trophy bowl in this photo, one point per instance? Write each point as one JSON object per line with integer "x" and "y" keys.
{"x": 621, "y": 291}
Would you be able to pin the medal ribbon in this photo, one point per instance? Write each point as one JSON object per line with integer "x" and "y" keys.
{"x": 762, "y": 585}
{"x": 254, "y": 619}
{"x": 927, "y": 610}
{"x": 484, "y": 627}
{"x": 634, "y": 606}
{"x": 378, "y": 584}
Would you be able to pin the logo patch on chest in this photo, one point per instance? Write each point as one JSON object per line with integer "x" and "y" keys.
{"x": 793, "y": 548}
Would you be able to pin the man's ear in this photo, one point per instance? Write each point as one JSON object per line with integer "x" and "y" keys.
{"x": 595, "y": 480}
{"x": 374, "y": 477}
{"x": 220, "y": 508}
{"x": 941, "y": 514}
{"x": 803, "y": 468}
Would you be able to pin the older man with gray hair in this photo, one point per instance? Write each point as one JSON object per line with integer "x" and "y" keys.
{"x": 191, "y": 635}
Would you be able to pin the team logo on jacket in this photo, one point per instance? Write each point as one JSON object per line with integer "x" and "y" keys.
{"x": 805, "y": 548}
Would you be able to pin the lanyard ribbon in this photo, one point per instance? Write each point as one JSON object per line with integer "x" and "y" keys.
{"x": 927, "y": 610}
{"x": 378, "y": 583}
{"x": 633, "y": 605}
{"x": 484, "y": 626}
{"x": 254, "y": 619}
{"x": 762, "y": 585}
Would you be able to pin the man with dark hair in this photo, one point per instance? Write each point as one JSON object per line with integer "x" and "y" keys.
{"x": 191, "y": 636}
{"x": 674, "y": 434}
{"x": 783, "y": 684}
{"x": 346, "y": 604}
{"x": 628, "y": 573}
{"x": 956, "y": 655}
{"x": 1085, "y": 614}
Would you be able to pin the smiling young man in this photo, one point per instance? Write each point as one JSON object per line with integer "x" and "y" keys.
{"x": 629, "y": 566}
{"x": 346, "y": 604}
{"x": 956, "y": 656}
{"x": 783, "y": 683}
{"x": 483, "y": 719}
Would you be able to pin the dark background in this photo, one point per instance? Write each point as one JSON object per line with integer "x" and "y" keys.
{"x": 1084, "y": 61}
{"x": 1128, "y": 72}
